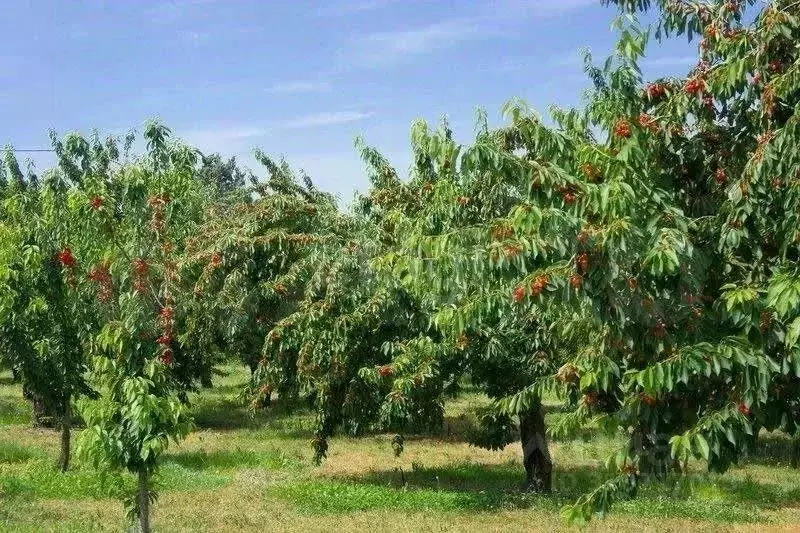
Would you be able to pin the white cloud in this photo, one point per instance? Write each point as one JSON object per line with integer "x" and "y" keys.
{"x": 325, "y": 118}
{"x": 541, "y": 8}
{"x": 299, "y": 87}
{"x": 343, "y": 172}
{"x": 499, "y": 18}
{"x": 238, "y": 138}
{"x": 349, "y": 7}
{"x": 383, "y": 48}
{"x": 575, "y": 59}
{"x": 567, "y": 59}
{"x": 225, "y": 136}
{"x": 171, "y": 11}
{"x": 192, "y": 37}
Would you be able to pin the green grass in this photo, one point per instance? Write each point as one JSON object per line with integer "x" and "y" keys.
{"x": 239, "y": 472}
{"x": 336, "y": 497}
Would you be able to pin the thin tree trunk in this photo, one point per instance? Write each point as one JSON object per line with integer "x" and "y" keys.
{"x": 41, "y": 416}
{"x": 144, "y": 502}
{"x": 535, "y": 451}
{"x": 66, "y": 425}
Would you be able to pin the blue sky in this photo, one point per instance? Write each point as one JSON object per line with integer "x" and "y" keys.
{"x": 299, "y": 79}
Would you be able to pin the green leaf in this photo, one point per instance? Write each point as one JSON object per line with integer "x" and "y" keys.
{"x": 702, "y": 445}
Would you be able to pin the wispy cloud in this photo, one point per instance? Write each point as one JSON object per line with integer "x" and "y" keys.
{"x": 238, "y": 136}
{"x": 575, "y": 59}
{"x": 174, "y": 10}
{"x": 223, "y": 134}
{"x": 566, "y": 59}
{"x": 325, "y": 118}
{"x": 349, "y": 7}
{"x": 542, "y": 8}
{"x": 495, "y": 20}
{"x": 192, "y": 37}
{"x": 383, "y": 48}
{"x": 299, "y": 86}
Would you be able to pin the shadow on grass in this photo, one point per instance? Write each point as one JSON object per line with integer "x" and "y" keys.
{"x": 233, "y": 459}
{"x": 774, "y": 449}
{"x": 282, "y": 419}
{"x": 465, "y": 427}
{"x": 14, "y": 411}
{"x": 488, "y": 488}
{"x": 14, "y": 453}
{"x": 38, "y": 477}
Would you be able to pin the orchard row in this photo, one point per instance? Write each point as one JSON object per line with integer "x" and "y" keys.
{"x": 638, "y": 258}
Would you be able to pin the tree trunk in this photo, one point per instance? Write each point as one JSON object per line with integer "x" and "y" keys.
{"x": 66, "y": 424}
{"x": 42, "y": 417}
{"x": 535, "y": 452}
{"x": 143, "y": 497}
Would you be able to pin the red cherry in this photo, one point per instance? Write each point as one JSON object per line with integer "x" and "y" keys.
{"x": 656, "y": 90}
{"x": 694, "y": 86}
{"x": 167, "y": 313}
{"x": 648, "y": 122}
{"x": 539, "y": 284}
{"x": 141, "y": 266}
{"x": 622, "y": 128}
{"x": 66, "y": 258}
{"x": 216, "y": 259}
{"x": 590, "y": 399}
{"x": 164, "y": 340}
{"x": 519, "y": 294}
{"x": 167, "y": 357}
{"x": 582, "y": 262}
{"x": 648, "y": 399}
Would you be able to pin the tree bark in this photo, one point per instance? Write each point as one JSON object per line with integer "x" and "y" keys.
{"x": 66, "y": 425}
{"x": 143, "y": 497}
{"x": 42, "y": 416}
{"x": 535, "y": 451}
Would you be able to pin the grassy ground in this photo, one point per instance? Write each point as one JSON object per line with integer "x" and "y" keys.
{"x": 241, "y": 474}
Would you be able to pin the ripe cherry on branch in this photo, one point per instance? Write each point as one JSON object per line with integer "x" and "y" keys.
{"x": 582, "y": 262}
{"x": 695, "y": 86}
{"x": 66, "y": 258}
{"x": 622, "y": 128}
{"x": 519, "y": 294}
{"x": 539, "y": 284}
{"x": 656, "y": 90}
{"x": 167, "y": 357}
